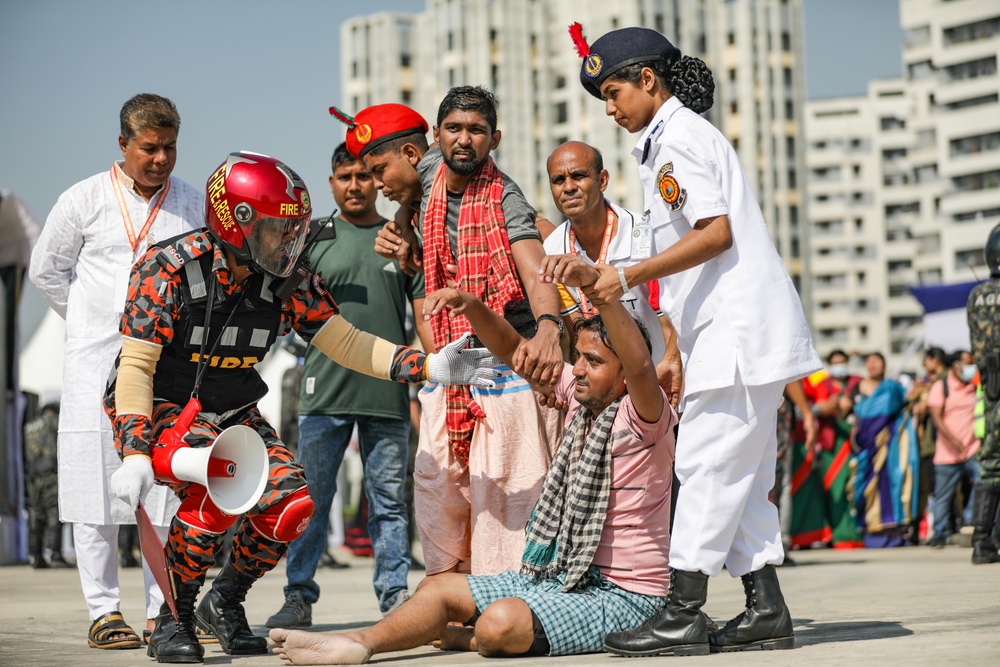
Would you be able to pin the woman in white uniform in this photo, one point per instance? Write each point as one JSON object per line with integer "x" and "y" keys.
{"x": 740, "y": 329}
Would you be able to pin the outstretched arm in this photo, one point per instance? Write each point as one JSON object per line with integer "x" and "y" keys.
{"x": 640, "y": 372}
{"x": 365, "y": 353}
{"x": 495, "y": 332}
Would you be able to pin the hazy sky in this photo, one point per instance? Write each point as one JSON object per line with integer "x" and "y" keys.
{"x": 256, "y": 75}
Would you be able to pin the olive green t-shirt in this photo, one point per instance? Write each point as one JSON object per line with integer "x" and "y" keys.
{"x": 372, "y": 293}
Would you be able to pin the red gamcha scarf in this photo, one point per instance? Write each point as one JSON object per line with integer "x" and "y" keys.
{"x": 485, "y": 269}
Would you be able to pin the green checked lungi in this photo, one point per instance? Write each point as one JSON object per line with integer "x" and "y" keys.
{"x": 573, "y": 622}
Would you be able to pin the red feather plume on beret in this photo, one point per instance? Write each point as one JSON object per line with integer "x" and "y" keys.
{"x": 579, "y": 41}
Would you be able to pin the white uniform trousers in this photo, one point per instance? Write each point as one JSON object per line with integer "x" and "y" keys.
{"x": 726, "y": 451}
{"x": 97, "y": 560}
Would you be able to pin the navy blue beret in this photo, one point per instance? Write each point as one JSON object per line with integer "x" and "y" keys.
{"x": 621, "y": 48}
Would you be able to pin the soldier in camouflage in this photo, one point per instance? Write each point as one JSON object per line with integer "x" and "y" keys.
{"x": 44, "y": 529}
{"x": 984, "y": 331}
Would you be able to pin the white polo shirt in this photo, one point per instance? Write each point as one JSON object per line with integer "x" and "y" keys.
{"x": 642, "y": 301}
{"x": 739, "y": 310}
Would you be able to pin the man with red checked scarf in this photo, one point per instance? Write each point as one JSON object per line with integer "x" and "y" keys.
{"x": 482, "y": 455}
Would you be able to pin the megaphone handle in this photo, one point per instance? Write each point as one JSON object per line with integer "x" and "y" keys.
{"x": 186, "y": 418}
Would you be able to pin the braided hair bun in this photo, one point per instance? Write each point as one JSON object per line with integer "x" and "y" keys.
{"x": 692, "y": 83}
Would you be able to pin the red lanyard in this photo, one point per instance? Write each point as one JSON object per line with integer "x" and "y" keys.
{"x": 602, "y": 258}
{"x": 127, "y": 219}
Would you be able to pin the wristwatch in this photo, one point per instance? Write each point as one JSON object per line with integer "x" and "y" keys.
{"x": 552, "y": 318}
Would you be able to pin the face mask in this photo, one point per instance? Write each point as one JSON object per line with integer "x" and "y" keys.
{"x": 838, "y": 371}
{"x": 968, "y": 372}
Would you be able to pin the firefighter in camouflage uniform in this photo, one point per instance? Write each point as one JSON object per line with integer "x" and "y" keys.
{"x": 984, "y": 331}
{"x": 41, "y": 462}
{"x": 226, "y": 286}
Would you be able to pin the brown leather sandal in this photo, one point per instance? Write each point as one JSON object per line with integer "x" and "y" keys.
{"x": 107, "y": 626}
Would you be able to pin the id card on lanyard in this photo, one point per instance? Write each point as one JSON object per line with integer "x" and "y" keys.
{"x": 137, "y": 239}
{"x": 642, "y": 238}
{"x": 609, "y": 228}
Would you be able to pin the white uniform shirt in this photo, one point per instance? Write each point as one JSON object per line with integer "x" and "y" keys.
{"x": 739, "y": 310}
{"x": 638, "y": 300}
{"x": 81, "y": 265}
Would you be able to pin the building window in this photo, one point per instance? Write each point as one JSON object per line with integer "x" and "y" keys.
{"x": 732, "y": 75}
{"x": 986, "y": 180}
{"x": 789, "y": 111}
{"x": 790, "y": 146}
{"x": 733, "y": 107}
{"x": 969, "y": 259}
{"x": 786, "y": 41}
{"x": 560, "y": 81}
{"x": 972, "y": 102}
{"x": 975, "y": 144}
{"x": 407, "y": 97}
{"x": 562, "y": 114}
{"x": 731, "y": 38}
{"x": 451, "y": 41}
{"x": 920, "y": 71}
{"x": 791, "y": 178}
{"x": 404, "y": 59}
{"x": 858, "y": 224}
{"x": 786, "y": 73}
{"x": 892, "y": 123}
{"x": 972, "y": 69}
{"x": 972, "y": 31}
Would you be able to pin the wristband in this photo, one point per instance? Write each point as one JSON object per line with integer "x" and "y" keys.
{"x": 621, "y": 279}
{"x": 551, "y": 318}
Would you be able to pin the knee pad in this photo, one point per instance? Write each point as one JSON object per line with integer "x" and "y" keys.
{"x": 287, "y": 519}
{"x": 198, "y": 510}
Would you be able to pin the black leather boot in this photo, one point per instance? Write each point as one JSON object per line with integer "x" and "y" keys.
{"x": 766, "y": 622}
{"x": 221, "y": 612}
{"x": 680, "y": 628}
{"x": 174, "y": 640}
{"x": 984, "y": 516}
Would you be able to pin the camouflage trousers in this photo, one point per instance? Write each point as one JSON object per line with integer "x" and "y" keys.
{"x": 44, "y": 529}
{"x": 989, "y": 452}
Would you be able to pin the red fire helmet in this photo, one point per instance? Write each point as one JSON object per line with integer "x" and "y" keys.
{"x": 259, "y": 208}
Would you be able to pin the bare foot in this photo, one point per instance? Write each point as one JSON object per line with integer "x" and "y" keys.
{"x": 296, "y": 647}
{"x": 457, "y": 638}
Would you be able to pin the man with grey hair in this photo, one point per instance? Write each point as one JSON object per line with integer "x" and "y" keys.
{"x": 81, "y": 264}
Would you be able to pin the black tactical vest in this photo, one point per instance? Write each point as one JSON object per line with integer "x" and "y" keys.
{"x": 230, "y": 380}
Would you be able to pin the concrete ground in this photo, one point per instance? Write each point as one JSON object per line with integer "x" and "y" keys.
{"x": 914, "y": 606}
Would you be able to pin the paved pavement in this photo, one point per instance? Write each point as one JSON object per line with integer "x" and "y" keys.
{"x": 914, "y": 606}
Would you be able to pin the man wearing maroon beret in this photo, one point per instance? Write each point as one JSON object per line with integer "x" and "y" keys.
{"x": 482, "y": 456}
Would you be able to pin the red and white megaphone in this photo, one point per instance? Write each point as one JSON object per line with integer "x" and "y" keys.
{"x": 233, "y": 469}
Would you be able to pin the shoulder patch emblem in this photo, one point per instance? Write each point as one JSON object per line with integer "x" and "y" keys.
{"x": 671, "y": 192}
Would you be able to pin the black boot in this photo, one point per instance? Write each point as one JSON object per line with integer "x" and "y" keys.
{"x": 766, "y": 622}
{"x": 174, "y": 640}
{"x": 221, "y": 612}
{"x": 680, "y": 628}
{"x": 984, "y": 516}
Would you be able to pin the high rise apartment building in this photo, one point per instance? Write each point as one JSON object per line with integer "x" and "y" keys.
{"x": 904, "y": 183}
{"x": 520, "y": 49}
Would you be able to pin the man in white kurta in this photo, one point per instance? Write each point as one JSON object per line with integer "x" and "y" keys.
{"x": 81, "y": 265}
{"x": 577, "y": 179}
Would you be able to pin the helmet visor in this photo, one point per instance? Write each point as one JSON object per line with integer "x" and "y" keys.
{"x": 276, "y": 243}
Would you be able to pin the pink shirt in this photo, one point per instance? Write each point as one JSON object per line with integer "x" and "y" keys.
{"x": 958, "y": 418}
{"x": 635, "y": 544}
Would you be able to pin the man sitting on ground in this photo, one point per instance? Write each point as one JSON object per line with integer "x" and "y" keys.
{"x": 600, "y": 527}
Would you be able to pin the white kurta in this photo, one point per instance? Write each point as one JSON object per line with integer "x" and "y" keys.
{"x": 81, "y": 265}
{"x": 638, "y": 300}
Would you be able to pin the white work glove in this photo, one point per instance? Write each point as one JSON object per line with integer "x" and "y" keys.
{"x": 133, "y": 480}
{"x": 456, "y": 365}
